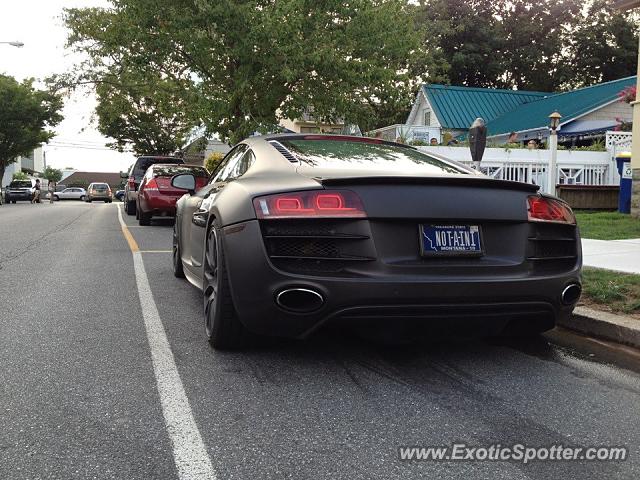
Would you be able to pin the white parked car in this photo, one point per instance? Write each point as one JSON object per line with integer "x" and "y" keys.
{"x": 71, "y": 193}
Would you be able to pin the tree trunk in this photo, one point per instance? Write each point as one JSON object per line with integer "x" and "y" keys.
{"x": 3, "y": 166}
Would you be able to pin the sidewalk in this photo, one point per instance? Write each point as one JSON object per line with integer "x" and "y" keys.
{"x": 619, "y": 255}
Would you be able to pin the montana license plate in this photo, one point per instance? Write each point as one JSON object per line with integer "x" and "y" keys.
{"x": 443, "y": 240}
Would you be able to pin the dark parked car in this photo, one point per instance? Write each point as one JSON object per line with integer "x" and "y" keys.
{"x": 20, "y": 190}
{"x": 136, "y": 173}
{"x": 156, "y": 196}
{"x": 295, "y": 231}
{"x": 119, "y": 194}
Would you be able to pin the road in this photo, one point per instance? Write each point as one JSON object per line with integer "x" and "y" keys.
{"x": 79, "y": 393}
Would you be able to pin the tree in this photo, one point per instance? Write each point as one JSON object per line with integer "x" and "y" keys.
{"x": 26, "y": 114}
{"x": 52, "y": 174}
{"x": 467, "y": 46}
{"x": 533, "y": 36}
{"x": 544, "y": 45}
{"x": 149, "y": 117}
{"x": 604, "y": 45}
{"x": 236, "y": 67}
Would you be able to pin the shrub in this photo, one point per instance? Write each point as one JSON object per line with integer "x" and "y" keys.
{"x": 213, "y": 160}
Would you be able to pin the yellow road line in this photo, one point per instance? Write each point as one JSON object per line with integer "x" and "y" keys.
{"x": 133, "y": 245}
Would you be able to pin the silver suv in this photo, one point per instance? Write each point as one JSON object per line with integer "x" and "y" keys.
{"x": 20, "y": 190}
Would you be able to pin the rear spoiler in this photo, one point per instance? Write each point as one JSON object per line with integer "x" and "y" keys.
{"x": 447, "y": 181}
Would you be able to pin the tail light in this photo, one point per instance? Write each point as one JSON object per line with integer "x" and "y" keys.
{"x": 314, "y": 203}
{"x": 132, "y": 183}
{"x": 542, "y": 209}
{"x": 151, "y": 185}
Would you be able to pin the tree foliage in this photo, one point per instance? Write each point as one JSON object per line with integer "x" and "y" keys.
{"x": 26, "y": 115}
{"x": 52, "y": 174}
{"x": 236, "y": 67}
{"x": 604, "y": 46}
{"x": 543, "y": 45}
{"x": 20, "y": 176}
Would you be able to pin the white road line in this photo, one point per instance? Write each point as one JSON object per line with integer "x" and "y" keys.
{"x": 189, "y": 452}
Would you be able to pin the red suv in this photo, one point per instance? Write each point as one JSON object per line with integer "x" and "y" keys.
{"x": 156, "y": 196}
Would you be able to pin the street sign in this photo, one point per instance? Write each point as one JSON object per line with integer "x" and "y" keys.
{"x": 626, "y": 171}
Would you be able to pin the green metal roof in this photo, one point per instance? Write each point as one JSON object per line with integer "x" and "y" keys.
{"x": 457, "y": 107}
{"x": 570, "y": 105}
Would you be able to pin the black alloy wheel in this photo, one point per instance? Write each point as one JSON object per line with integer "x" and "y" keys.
{"x": 224, "y": 329}
{"x": 178, "y": 268}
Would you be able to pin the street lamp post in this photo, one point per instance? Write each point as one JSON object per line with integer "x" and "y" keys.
{"x": 554, "y": 123}
{"x": 14, "y": 44}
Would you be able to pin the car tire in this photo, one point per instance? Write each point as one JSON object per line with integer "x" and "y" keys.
{"x": 56, "y": 198}
{"x": 144, "y": 219}
{"x": 223, "y": 328}
{"x": 130, "y": 207}
{"x": 82, "y": 198}
{"x": 178, "y": 268}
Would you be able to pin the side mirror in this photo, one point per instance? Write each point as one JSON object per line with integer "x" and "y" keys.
{"x": 184, "y": 181}
{"x": 124, "y": 175}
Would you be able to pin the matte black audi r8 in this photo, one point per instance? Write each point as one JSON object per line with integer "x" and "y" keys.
{"x": 293, "y": 231}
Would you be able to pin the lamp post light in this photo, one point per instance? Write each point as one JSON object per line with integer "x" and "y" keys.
{"x": 554, "y": 123}
{"x": 14, "y": 44}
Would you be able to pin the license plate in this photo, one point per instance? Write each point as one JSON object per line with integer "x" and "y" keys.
{"x": 443, "y": 240}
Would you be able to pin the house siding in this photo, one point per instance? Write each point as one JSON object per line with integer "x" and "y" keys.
{"x": 423, "y": 106}
{"x": 612, "y": 111}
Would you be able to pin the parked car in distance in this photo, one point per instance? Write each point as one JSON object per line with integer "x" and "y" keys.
{"x": 119, "y": 194}
{"x": 71, "y": 193}
{"x": 20, "y": 190}
{"x": 136, "y": 173}
{"x": 156, "y": 196}
{"x": 99, "y": 191}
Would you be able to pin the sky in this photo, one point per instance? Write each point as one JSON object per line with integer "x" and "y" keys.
{"x": 38, "y": 24}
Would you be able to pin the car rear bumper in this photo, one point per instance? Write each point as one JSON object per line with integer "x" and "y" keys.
{"x": 159, "y": 204}
{"x": 489, "y": 302}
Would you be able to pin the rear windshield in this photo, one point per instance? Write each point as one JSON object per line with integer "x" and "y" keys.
{"x": 170, "y": 171}
{"x": 371, "y": 156}
{"x": 100, "y": 185}
{"x": 20, "y": 184}
{"x": 144, "y": 163}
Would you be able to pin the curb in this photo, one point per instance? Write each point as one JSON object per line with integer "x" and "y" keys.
{"x": 608, "y": 326}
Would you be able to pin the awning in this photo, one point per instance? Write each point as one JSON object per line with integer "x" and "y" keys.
{"x": 586, "y": 127}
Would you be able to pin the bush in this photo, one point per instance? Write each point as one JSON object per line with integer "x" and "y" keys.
{"x": 213, "y": 160}
{"x": 20, "y": 176}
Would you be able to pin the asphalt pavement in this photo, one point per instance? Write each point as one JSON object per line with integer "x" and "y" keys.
{"x": 79, "y": 390}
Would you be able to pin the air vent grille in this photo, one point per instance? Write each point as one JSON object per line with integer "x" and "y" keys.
{"x": 284, "y": 151}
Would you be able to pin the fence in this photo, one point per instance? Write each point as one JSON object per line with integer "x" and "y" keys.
{"x": 530, "y": 166}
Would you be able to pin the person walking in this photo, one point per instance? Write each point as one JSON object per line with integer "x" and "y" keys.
{"x": 52, "y": 189}
{"x": 36, "y": 193}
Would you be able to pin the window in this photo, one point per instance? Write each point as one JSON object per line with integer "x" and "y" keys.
{"x": 339, "y": 154}
{"x": 427, "y": 117}
{"x": 244, "y": 164}
{"x": 226, "y": 170}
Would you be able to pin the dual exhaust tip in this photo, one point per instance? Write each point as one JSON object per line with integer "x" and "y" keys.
{"x": 305, "y": 300}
